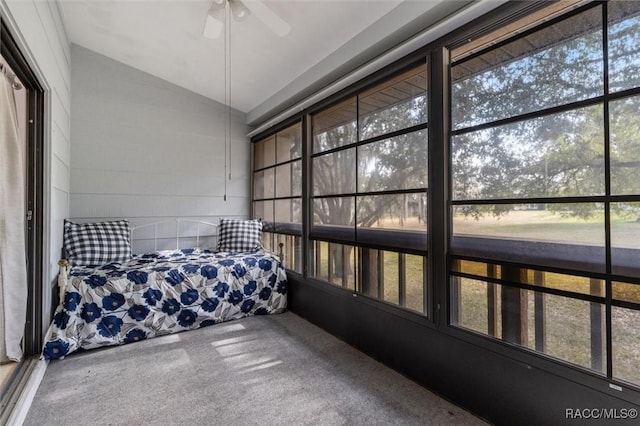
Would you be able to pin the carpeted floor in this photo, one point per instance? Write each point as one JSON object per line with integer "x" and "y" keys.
{"x": 274, "y": 370}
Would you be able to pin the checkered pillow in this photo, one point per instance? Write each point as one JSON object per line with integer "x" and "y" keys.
{"x": 239, "y": 235}
{"x": 97, "y": 243}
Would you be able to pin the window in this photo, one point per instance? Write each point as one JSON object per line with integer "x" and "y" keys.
{"x": 531, "y": 198}
{"x": 277, "y": 192}
{"x": 545, "y": 194}
{"x": 369, "y": 189}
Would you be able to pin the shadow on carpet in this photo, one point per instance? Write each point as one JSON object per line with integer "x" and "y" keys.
{"x": 277, "y": 369}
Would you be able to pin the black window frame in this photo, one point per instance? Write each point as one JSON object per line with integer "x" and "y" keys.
{"x": 518, "y": 256}
{"x": 367, "y": 240}
{"x": 440, "y": 306}
{"x": 274, "y": 228}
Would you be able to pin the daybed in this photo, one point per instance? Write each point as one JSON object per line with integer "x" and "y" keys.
{"x": 141, "y": 296}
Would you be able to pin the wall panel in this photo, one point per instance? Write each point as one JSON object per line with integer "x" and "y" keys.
{"x": 146, "y": 150}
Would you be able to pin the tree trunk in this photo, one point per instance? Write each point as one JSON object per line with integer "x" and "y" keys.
{"x": 340, "y": 256}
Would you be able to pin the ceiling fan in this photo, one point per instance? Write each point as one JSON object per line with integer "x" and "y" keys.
{"x": 240, "y": 10}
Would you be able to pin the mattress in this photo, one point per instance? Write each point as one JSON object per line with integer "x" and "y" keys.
{"x": 160, "y": 293}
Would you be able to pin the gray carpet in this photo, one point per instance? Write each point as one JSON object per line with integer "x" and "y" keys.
{"x": 278, "y": 369}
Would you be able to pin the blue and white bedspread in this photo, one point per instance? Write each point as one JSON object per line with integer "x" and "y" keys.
{"x": 161, "y": 293}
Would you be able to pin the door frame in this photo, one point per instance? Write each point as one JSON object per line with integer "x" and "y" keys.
{"x": 33, "y": 333}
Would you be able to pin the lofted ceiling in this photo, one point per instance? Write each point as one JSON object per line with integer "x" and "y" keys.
{"x": 164, "y": 38}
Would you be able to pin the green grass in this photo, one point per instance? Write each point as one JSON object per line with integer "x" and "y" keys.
{"x": 567, "y": 320}
{"x": 626, "y": 344}
{"x": 415, "y": 282}
{"x": 414, "y": 285}
{"x": 567, "y": 329}
{"x": 391, "y": 281}
{"x": 547, "y": 226}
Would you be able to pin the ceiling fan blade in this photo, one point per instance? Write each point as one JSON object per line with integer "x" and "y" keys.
{"x": 268, "y": 17}
{"x": 214, "y": 23}
{"x": 212, "y": 28}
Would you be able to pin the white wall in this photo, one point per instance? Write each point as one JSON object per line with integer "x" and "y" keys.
{"x": 38, "y": 27}
{"x": 148, "y": 150}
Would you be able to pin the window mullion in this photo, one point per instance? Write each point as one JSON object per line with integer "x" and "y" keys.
{"x": 438, "y": 219}
{"x": 607, "y": 210}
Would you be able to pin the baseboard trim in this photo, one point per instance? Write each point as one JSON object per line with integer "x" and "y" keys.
{"x": 26, "y": 390}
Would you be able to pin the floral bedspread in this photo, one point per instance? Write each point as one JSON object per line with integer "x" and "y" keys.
{"x": 160, "y": 293}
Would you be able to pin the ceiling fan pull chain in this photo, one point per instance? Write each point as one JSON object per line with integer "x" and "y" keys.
{"x": 227, "y": 57}
{"x": 229, "y": 100}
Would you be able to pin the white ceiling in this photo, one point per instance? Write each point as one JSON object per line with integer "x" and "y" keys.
{"x": 164, "y": 38}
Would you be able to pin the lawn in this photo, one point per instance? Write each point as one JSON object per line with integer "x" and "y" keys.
{"x": 542, "y": 225}
{"x": 567, "y": 320}
{"x": 414, "y": 281}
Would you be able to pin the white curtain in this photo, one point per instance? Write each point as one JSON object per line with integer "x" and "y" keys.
{"x": 13, "y": 269}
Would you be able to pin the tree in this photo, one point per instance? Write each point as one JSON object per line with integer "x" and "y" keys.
{"x": 555, "y": 155}
{"x": 389, "y": 164}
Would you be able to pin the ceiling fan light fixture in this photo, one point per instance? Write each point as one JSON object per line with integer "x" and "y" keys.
{"x": 216, "y": 11}
{"x": 216, "y": 17}
{"x": 238, "y": 10}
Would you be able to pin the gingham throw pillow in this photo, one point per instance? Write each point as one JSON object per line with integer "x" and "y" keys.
{"x": 97, "y": 243}
{"x": 239, "y": 235}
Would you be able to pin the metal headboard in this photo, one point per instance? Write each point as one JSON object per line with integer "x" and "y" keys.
{"x": 171, "y": 229}
{"x": 175, "y": 224}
